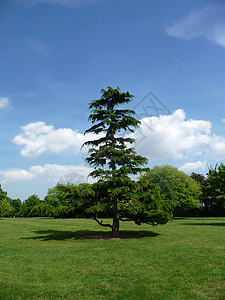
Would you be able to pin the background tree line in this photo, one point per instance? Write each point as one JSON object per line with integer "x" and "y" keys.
{"x": 162, "y": 188}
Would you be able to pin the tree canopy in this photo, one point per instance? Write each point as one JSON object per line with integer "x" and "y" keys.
{"x": 4, "y": 202}
{"x": 174, "y": 188}
{"x": 3, "y": 194}
{"x": 113, "y": 161}
{"x": 4, "y": 206}
{"x": 214, "y": 190}
{"x": 69, "y": 199}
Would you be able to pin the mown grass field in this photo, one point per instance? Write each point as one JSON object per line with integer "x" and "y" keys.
{"x": 44, "y": 258}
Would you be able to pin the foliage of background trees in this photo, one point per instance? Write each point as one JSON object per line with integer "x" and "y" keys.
{"x": 162, "y": 188}
{"x": 170, "y": 189}
{"x": 214, "y": 191}
{"x": 5, "y": 206}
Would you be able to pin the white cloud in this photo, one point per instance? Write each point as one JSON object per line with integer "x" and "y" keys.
{"x": 13, "y": 175}
{"x": 4, "y": 102}
{"x": 190, "y": 167}
{"x": 37, "y": 138}
{"x": 167, "y": 136}
{"x": 217, "y": 147}
{"x": 49, "y": 172}
{"x": 223, "y": 120}
{"x": 171, "y": 136}
{"x": 208, "y": 23}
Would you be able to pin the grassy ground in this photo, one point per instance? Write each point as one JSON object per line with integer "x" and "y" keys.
{"x": 43, "y": 258}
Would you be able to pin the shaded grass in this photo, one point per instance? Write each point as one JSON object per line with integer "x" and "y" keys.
{"x": 47, "y": 235}
{"x": 43, "y": 258}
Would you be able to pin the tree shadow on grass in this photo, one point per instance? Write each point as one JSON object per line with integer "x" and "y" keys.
{"x": 49, "y": 235}
{"x": 205, "y": 224}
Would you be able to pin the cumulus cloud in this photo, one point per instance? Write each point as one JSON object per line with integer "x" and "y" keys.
{"x": 166, "y": 136}
{"x": 37, "y": 138}
{"x": 50, "y": 172}
{"x": 171, "y": 136}
{"x": 207, "y": 23}
{"x": 192, "y": 166}
{"x": 4, "y": 102}
{"x": 217, "y": 147}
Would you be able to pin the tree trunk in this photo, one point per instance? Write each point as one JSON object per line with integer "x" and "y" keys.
{"x": 115, "y": 226}
{"x": 116, "y": 223}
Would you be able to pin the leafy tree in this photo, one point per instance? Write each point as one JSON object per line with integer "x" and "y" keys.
{"x": 214, "y": 190}
{"x": 74, "y": 197}
{"x": 62, "y": 195}
{"x": 24, "y": 210}
{"x": 177, "y": 189}
{"x": 198, "y": 177}
{"x": 3, "y": 194}
{"x": 29, "y": 203}
{"x": 16, "y": 206}
{"x": 114, "y": 161}
{"x": 32, "y": 200}
{"x": 4, "y": 206}
{"x": 151, "y": 195}
{"x": 63, "y": 212}
{"x": 43, "y": 210}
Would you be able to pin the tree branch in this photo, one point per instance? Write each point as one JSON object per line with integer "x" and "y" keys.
{"x": 101, "y": 223}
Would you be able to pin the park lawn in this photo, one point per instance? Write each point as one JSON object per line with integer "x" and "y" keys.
{"x": 43, "y": 258}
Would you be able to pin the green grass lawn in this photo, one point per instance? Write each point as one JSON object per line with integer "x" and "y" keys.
{"x": 43, "y": 258}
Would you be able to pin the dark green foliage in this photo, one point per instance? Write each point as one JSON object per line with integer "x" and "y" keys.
{"x": 32, "y": 200}
{"x": 3, "y": 194}
{"x": 214, "y": 191}
{"x": 28, "y": 205}
{"x": 198, "y": 177}
{"x": 15, "y": 207}
{"x": 69, "y": 200}
{"x": 63, "y": 212}
{"x": 114, "y": 161}
{"x": 43, "y": 210}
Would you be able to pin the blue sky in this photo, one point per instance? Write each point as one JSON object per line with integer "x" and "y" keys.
{"x": 56, "y": 56}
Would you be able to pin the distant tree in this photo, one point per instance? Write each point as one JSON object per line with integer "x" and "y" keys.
{"x": 4, "y": 206}
{"x": 3, "y": 194}
{"x": 16, "y": 206}
{"x": 114, "y": 161}
{"x": 176, "y": 189}
{"x": 198, "y": 177}
{"x": 214, "y": 190}
{"x": 74, "y": 197}
{"x": 63, "y": 212}
{"x": 43, "y": 210}
{"x": 30, "y": 202}
{"x": 24, "y": 212}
